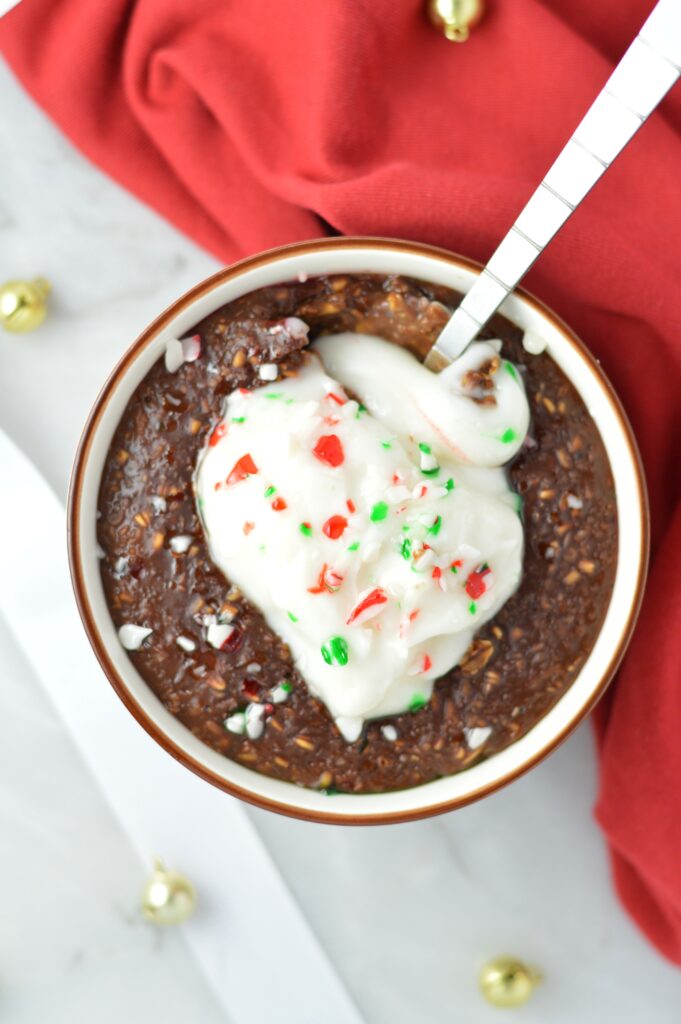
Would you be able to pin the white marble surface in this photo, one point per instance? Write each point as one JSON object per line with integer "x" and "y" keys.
{"x": 407, "y": 913}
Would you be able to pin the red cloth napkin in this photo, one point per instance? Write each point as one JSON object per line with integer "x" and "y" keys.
{"x": 252, "y": 124}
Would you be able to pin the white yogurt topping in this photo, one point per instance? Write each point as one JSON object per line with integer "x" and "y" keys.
{"x": 369, "y": 540}
{"x": 435, "y": 408}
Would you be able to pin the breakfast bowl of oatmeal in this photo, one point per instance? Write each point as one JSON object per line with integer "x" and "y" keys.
{"x": 332, "y": 582}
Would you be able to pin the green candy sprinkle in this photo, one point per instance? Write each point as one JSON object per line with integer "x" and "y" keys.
{"x": 386, "y": 444}
{"x": 292, "y": 617}
{"x": 238, "y": 419}
{"x": 378, "y": 512}
{"x": 472, "y": 607}
{"x": 274, "y": 394}
{"x": 431, "y": 472}
{"x": 435, "y": 528}
{"x": 450, "y": 485}
{"x": 354, "y": 547}
{"x": 405, "y": 549}
{"x": 519, "y": 504}
{"x": 335, "y": 650}
{"x": 406, "y": 529}
{"x": 508, "y": 436}
{"x": 306, "y": 529}
{"x": 360, "y": 409}
{"x": 339, "y": 649}
{"x": 289, "y": 401}
{"x": 201, "y": 502}
{"x": 270, "y": 491}
{"x": 425, "y": 448}
{"x": 510, "y": 370}
{"x": 286, "y": 686}
{"x": 417, "y": 702}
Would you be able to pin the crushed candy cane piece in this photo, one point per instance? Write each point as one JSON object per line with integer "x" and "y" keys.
{"x": 158, "y": 504}
{"x": 132, "y": 637}
{"x": 185, "y": 643}
{"x": 178, "y": 352}
{"x": 369, "y": 605}
{"x": 533, "y": 343}
{"x": 338, "y": 399}
{"x": 296, "y": 327}
{"x": 268, "y": 371}
{"x": 236, "y": 723}
{"x": 218, "y": 432}
{"x": 218, "y": 633}
{"x": 174, "y": 355}
{"x": 328, "y": 581}
{"x": 255, "y": 721}
{"x": 476, "y": 737}
{"x": 329, "y": 450}
{"x": 428, "y": 463}
{"x": 574, "y": 502}
{"x": 181, "y": 543}
{"x": 389, "y": 733}
{"x": 191, "y": 348}
{"x": 334, "y": 527}
{"x": 243, "y": 468}
{"x": 476, "y": 584}
{"x": 279, "y": 694}
{"x": 423, "y": 664}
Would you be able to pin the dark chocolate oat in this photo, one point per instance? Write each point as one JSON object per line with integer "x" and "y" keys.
{"x": 519, "y": 664}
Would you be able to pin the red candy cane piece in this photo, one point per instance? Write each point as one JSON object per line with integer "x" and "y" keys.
{"x": 336, "y": 398}
{"x": 217, "y": 434}
{"x": 334, "y": 527}
{"x": 244, "y": 467}
{"x": 439, "y": 578}
{"x": 319, "y": 588}
{"x": 332, "y": 580}
{"x": 475, "y": 584}
{"x": 279, "y": 505}
{"x": 329, "y": 450}
{"x": 368, "y": 606}
{"x": 329, "y": 581}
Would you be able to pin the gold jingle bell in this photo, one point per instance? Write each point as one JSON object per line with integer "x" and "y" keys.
{"x": 23, "y": 304}
{"x": 168, "y": 897}
{"x": 507, "y": 982}
{"x": 455, "y": 18}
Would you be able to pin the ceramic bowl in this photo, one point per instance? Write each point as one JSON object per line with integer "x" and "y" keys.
{"x": 383, "y": 256}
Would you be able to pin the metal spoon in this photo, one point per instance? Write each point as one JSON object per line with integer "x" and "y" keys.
{"x": 647, "y": 71}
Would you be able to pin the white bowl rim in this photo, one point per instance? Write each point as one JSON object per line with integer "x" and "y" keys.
{"x": 351, "y": 255}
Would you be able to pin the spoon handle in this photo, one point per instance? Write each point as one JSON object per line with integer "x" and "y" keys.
{"x": 647, "y": 71}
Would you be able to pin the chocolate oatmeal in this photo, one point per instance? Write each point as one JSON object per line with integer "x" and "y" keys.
{"x": 157, "y": 572}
